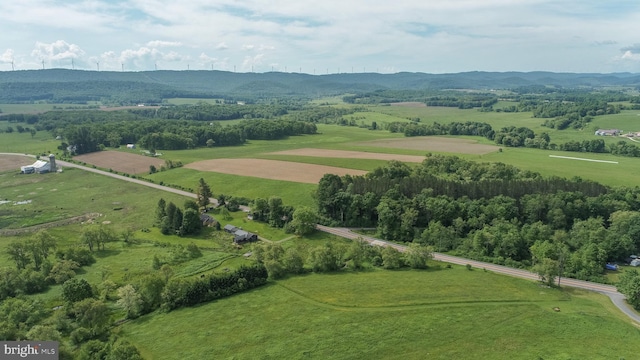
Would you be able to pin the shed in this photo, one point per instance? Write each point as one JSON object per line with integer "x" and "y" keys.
{"x": 242, "y": 236}
{"x": 208, "y": 220}
{"x": 230, "y": 228}
{"x": 131, "y": 146}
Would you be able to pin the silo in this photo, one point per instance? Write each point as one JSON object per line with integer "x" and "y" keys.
{"x": 52, "y": 163}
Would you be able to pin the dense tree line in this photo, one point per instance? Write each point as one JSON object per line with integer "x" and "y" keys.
{"x": 510, "y": 136}
{"x": 330, "y": 257}
{"x": 180, "y": 292}
{"x": 447, "y": 204}
{"x": 173, "y": 220}
{"x": 211, "y": 112}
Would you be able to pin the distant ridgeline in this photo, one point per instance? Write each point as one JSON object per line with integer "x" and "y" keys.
{"x": 63, "y": 85}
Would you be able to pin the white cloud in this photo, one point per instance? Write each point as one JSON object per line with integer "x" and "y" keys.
{"x": 404, "y": 35}
{"x": 7, "y": 57}
{"x": 160, "y": 43}
{"x": 56, "y": 51}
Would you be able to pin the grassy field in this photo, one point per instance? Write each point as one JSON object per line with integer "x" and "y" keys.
{"x": 435, "y": 314}
{"x": 36, "y": 108}
{"x": 41, "y": 143}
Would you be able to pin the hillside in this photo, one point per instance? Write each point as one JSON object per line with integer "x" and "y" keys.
{"x": 62, "y": 85}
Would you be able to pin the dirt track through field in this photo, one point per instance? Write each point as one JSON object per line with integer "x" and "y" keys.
{"x": 272, "y": 169}
{"x": 325, "y": 153}
{"x": 433, "y": 143}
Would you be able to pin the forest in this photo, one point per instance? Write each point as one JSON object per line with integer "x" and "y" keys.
{"x": 491, "y": 212}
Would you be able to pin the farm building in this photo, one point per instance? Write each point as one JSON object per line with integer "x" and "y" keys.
{"x": 242, "y": 236}
{"x": 610, "y": 132}
{"x": 208, "y": 220}
{"x": 131, "y": 146}
{"x": 230, "y": 228}
{"x": 40, "y": 166}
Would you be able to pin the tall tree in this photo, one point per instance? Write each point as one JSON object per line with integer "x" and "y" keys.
{"x": 130, "y": 301}
{"x": 629, "y": 285}
{"x": 204, "y": 193}
{"x": 304, "y": 220}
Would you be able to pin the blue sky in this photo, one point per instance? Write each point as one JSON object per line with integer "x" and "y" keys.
{"x": 433, "y": 36}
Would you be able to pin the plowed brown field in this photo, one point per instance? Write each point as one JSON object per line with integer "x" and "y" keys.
{"x": 434, "y": 143}
{"x": 271, "y": 169}
{"x": 13, "y": 162}
{"x": 326, "y": 153}
{"x": 120, "y": 161}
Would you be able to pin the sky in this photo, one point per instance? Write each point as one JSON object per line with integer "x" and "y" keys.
{"x": 320, "y": 37}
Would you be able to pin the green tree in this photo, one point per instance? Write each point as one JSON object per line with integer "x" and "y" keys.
{"x": 191, "y": 223}
{"x": 161, "y": 211}
{"x": 130, "y": 301}
{"x": 123, "y": 350}
{"x": 304, "y": 220}
{"x": 19, "y": 253}
{"x": 417, "y": 255}
{"x": 293, "y": 261}
{"x": 62, "y": 271}
{"x": 629, "y": 285}
{"x": 43, "y": 333}
{"x": 391, "y": 258}
{"x": 92, "y": 314}
{"x": 40, "y": 246}
{"x": 204, "y": 193}
{"x": 74, "y": 290}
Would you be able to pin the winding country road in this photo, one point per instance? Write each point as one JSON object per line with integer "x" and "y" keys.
{"x": 617, "y": 298}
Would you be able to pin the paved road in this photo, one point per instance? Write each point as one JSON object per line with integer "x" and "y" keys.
{"x": 611, "y": 291}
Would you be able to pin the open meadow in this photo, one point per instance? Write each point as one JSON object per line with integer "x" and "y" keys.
{"x": 436, "y": 314}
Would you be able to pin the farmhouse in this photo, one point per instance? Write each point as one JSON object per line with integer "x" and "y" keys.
{"x": 610, "y": 132}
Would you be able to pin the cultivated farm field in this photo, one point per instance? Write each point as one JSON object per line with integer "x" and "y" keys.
{"x": 272, "y": 169}
{"x": 120, "y": 161}
{"x": 13, "y": 162}
{"x": 434, "y": 143}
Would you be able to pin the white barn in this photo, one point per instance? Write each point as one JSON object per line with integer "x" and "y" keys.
{"x": 38, "y": 167}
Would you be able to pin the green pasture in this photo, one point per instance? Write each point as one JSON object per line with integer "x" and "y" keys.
{"x": 36, "y": 107}
{"x": 41, "y": 143}
{"x": 292, "y": 193}
{"x": 445, "y": 115}
{"x": 433, "y": 314}
{"x": 625, "y": 173}
{"x": 191, "y": 101}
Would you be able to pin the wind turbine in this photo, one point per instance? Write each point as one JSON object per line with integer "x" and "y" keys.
{"x": 12, "y": 67}
{"x": 122, "y": 66}
{"x": 42, "y": 64}
{"x": 98, "y": 65}
{"x": 73, "y": 67}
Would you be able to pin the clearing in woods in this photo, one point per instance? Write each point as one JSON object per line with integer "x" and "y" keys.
{"x": 272, "y": 169}
{"x": 120, "y": 161}
{"x": 434, "y": 143}
{"x": 326, "y": 153}
{"x": 410, "y": 104}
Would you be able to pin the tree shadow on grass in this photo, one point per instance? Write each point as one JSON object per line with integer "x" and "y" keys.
{"x": 106, "y": 253}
